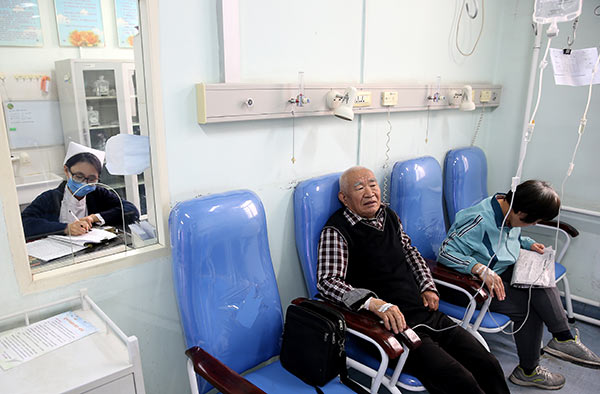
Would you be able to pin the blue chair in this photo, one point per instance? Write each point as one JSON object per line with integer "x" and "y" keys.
{"x": 315, "y": 200}
{"x": 465, "y": 184}
{"x": 416, "y": 196}
{"x": 228, "y": 298}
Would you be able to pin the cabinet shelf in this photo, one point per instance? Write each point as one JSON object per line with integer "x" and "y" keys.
{"x": 108, "y": 126}
{"x": 100, "y": 97}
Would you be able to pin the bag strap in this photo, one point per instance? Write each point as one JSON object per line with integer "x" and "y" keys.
{"x": 345, "y": 379}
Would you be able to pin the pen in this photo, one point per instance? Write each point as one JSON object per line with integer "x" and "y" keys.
{"x": 72, "y": 214}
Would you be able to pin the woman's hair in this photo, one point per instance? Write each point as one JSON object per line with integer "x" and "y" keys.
{"x": 84, "y": 157}
{"x": 536, "y": 199}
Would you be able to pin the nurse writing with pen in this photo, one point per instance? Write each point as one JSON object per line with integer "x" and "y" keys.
{"x": 75, "y": 205}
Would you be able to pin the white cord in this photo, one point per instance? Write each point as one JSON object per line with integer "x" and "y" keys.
{"x": 480, "y": 30}
{"x": 478, "y": 126}
{"x": 386, "y": 162}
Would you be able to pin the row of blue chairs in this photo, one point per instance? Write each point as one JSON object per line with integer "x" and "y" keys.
{"x": 229, "y": 300}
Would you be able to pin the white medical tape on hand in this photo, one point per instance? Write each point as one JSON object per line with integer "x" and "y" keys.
{"x": 385, "y": 307}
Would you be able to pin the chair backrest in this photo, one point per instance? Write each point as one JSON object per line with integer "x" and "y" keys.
{"x": 226, "y": 288}
{"x": 465, "y": 179}
{"x": 416, "y": 196}
{"x": 315, "y": 200}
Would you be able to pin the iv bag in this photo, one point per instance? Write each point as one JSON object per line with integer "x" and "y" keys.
{"x": 553, "y": 11}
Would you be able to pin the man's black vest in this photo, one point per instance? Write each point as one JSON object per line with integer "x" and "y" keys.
{"x": 377, "y": 262}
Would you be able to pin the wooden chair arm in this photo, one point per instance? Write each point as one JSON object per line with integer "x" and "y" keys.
{"x": 572, "y": 231}
{"x": 466, "y": 282}
{"x": 366, "y": 323}
{"x": 225, "y": 379}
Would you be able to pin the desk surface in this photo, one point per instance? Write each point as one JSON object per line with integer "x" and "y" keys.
{"x": 99, "y": 357}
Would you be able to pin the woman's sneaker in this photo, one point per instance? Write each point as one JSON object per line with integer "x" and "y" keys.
{"x": 541, "y": 378}
{"x": 573, "y": 350}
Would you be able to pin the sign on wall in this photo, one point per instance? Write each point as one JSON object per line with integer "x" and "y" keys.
{"x": 127, "y": 17}
{"x": 79, "y": 23}
{"x": 20, "y": 23}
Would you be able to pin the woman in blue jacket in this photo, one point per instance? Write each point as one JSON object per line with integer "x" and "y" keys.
{"x": 472, "y": 241}
{"x": 75, "y": 205}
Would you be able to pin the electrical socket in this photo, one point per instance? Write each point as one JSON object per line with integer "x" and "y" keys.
{"x": 363, "y": 99}
{"x": 485, "y": 96}
{"x": 389, "y": 98}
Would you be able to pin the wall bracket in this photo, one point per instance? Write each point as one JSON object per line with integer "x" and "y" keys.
{"x": 228, "y": 102}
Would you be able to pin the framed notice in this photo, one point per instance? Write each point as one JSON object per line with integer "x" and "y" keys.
{"x": 127, "y": 17}
{"x": 20, "y": 23}
{"x": 79, "y": 23}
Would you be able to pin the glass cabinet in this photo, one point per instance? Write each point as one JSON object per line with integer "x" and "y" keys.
{"x": 98, "y": 99}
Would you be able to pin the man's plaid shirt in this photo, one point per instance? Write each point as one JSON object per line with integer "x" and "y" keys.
{"x": 333, "y": 261}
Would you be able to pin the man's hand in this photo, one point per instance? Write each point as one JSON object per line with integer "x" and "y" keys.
{"x": 492, "y": 280}
{"x": 537, "y": 247}
{"x": 430, "y": 300}
{"x": 78, "y": 227}
{"x": 392, "y": 318}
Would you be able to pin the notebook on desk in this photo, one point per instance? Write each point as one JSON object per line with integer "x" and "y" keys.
{"x": 94, "y": 236}
{"x": 56, "y": 246}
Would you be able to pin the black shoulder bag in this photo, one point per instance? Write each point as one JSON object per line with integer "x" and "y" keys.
{"x": 313, "y": 345}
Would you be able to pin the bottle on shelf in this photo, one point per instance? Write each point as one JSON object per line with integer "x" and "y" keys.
{"x": 101, "y": 86}
{"x": 93, "y": 116}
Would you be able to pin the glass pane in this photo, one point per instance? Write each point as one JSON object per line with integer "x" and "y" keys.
{"x": 93, "y": 101}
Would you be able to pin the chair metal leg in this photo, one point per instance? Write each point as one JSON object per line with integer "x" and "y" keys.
{"x": 192, "y": 377}
{"x": 568, "y": 301}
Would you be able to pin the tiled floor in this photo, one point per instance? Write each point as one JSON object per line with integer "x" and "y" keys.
{"x": 580, "y": 380}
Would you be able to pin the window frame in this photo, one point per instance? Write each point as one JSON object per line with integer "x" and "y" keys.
{"x": 28, "y": 282}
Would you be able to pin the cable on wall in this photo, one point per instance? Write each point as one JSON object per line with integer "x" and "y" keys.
{"x": 386, "y": 163}
{"x": 462, "y": 8}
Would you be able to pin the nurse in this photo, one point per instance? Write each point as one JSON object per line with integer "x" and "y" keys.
{"x": 75, "y": 205}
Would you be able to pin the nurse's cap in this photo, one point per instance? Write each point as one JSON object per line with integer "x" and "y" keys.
{"x": 75, "y": 148}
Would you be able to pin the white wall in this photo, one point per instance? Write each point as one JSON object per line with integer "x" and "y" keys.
{"x": 405, "y": 42}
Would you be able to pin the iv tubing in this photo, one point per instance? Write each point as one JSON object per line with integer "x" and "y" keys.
{"x": 580, "y": 131}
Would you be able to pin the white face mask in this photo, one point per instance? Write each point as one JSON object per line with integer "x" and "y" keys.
{"x": 127, "y": 154}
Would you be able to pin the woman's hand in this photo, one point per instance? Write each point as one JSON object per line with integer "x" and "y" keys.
{"x": 392, "y": 318}
{"x": 90, "y": 219}
{"x": 78, "y": 227}
{"x": 491, "y": 279}
{"x": 537, "y": 247}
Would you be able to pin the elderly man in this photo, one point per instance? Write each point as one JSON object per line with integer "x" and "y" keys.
{"x": 366, "y": 261}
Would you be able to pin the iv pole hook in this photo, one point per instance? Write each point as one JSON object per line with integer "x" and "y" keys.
{"x": 569, "y": 40}
{"x": 476, "y": 9}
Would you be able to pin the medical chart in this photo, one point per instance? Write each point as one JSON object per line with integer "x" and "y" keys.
{"x": 26, "y": 343}
{"x": 534, "y": 269}
{"x": 574, "y": 69}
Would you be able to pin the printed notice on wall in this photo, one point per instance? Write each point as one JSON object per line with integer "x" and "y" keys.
{"x": 20, "y": 23}
{"x": 79, "y": 23}
{"x": 576, "y": 68}
{"x": 126, "y": 14}
{"x": 26, "y": 343}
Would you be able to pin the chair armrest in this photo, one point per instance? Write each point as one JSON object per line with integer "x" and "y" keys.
{"x": 366, "y": 323}
{"x": 225, "y": 379}
{"x": 566, "y": 227}
{"x": 466, "y": 282}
